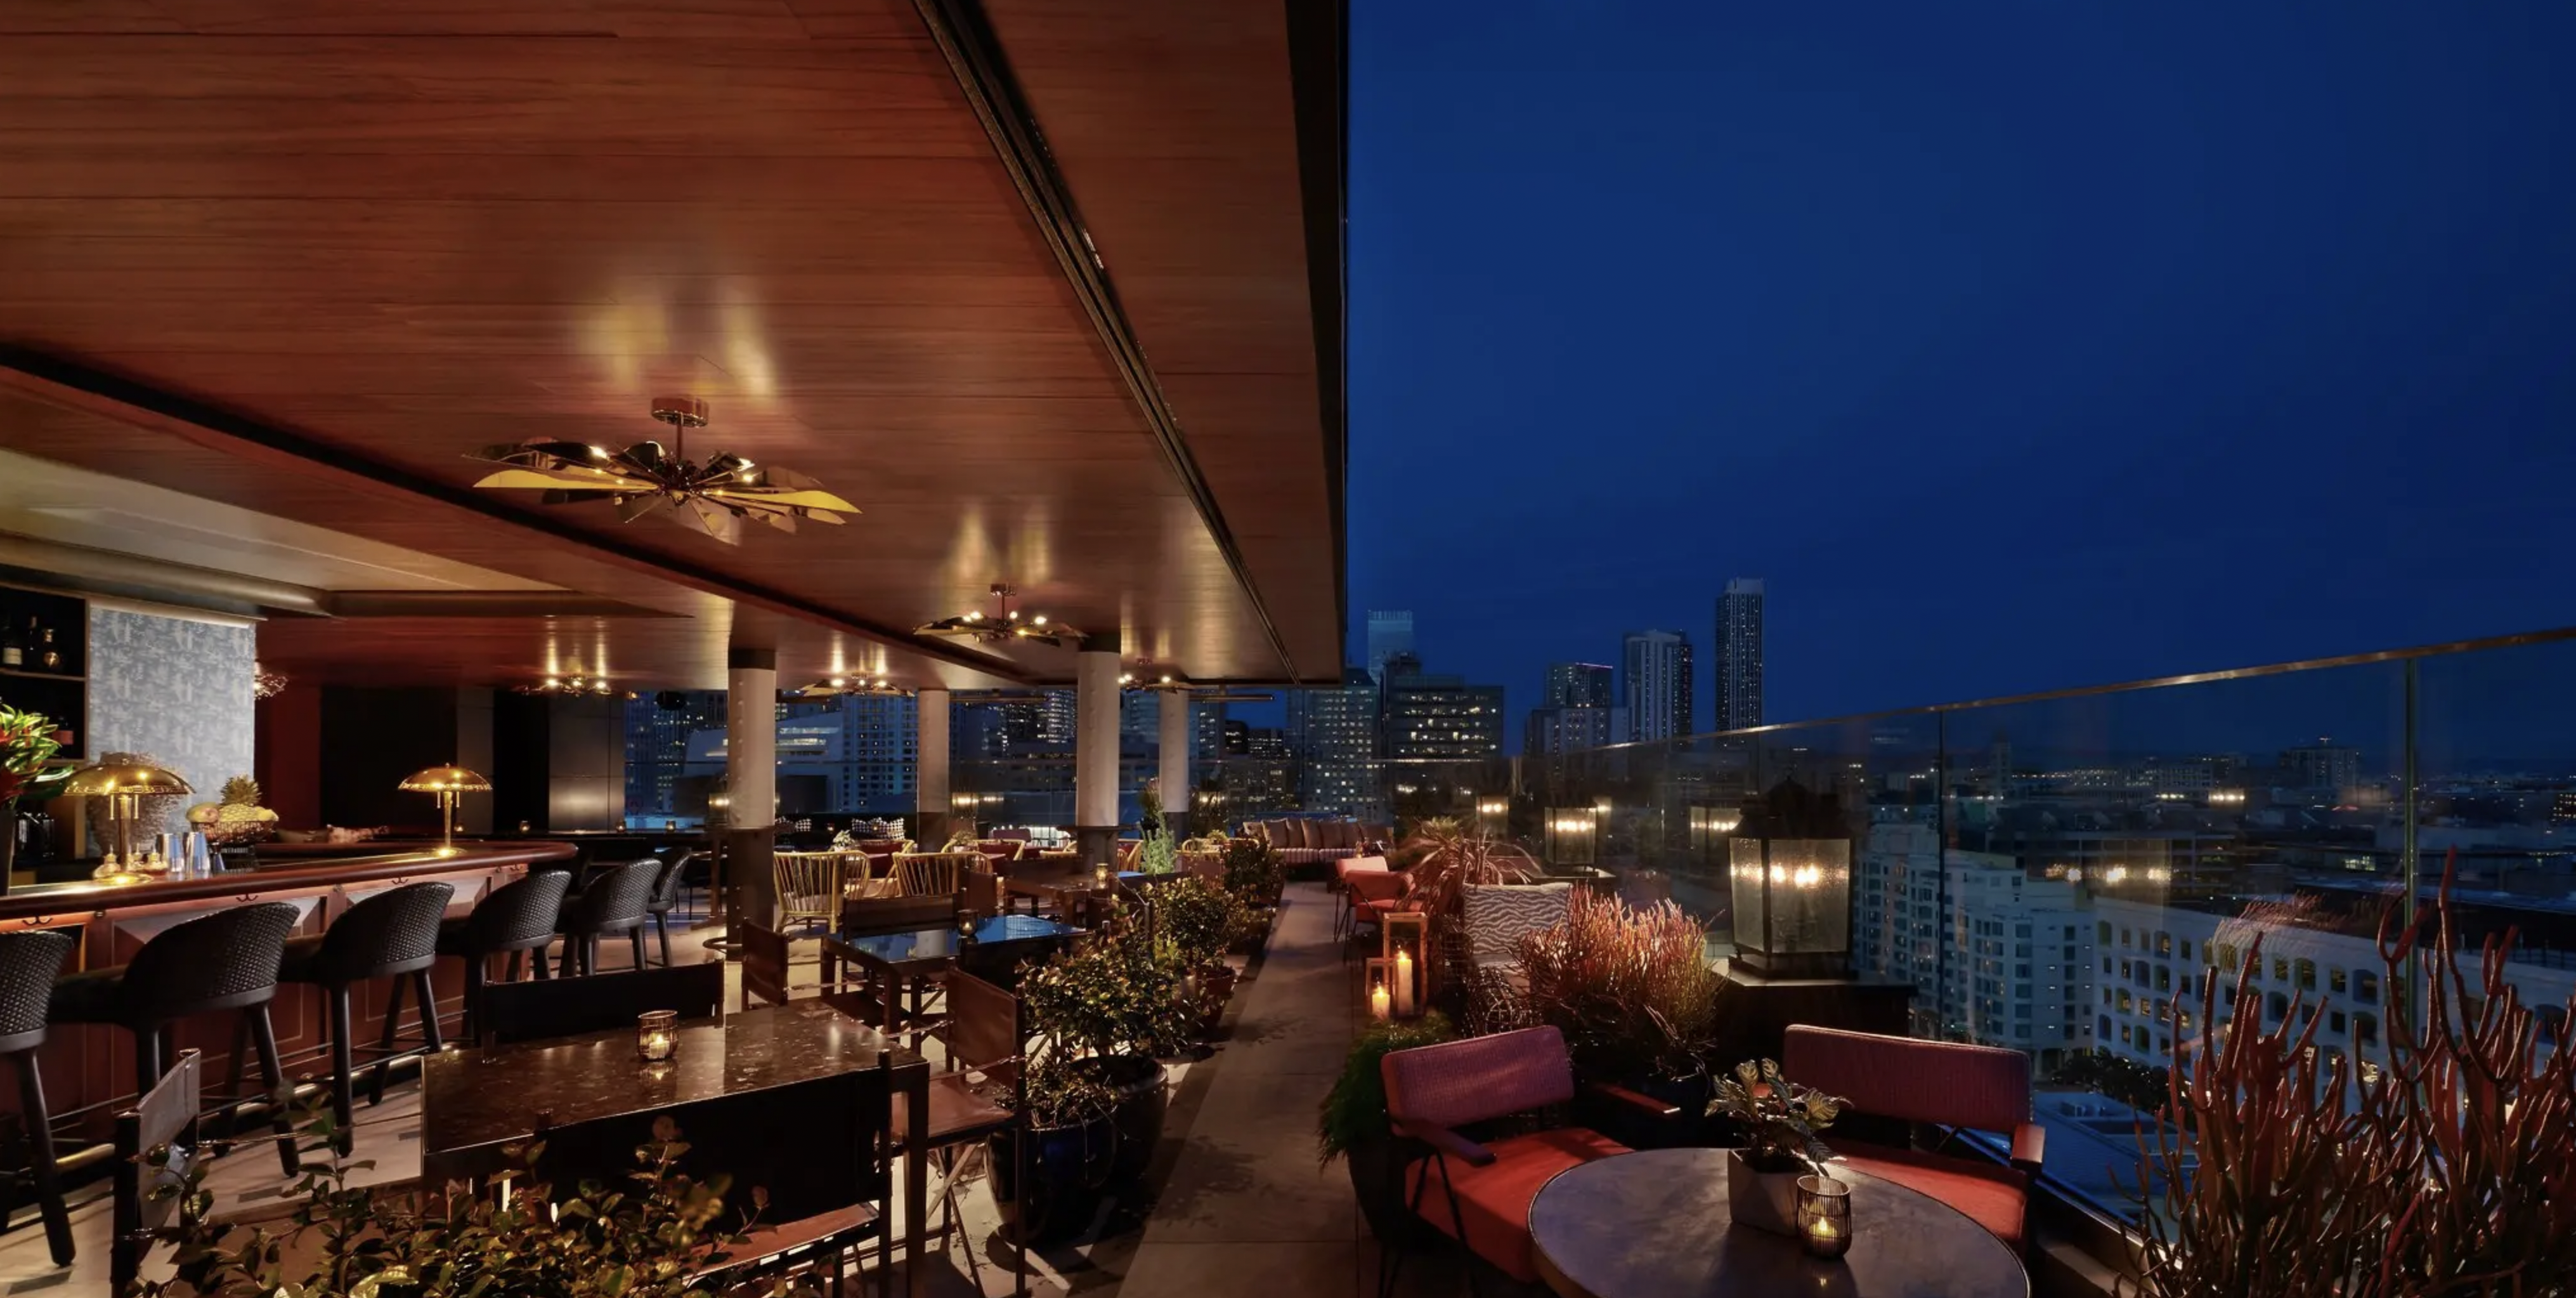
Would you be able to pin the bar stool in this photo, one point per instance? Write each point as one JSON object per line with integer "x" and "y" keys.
{"x": 666, "y": 894}
{"x": 515, "y": 919}
{"x": 393, "y": 934}
{"x": 613, "y": 903}
{"x": 224, "y": 961}
{"x": 29, "y": 962}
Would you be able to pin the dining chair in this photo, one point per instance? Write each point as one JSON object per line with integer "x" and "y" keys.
{"x": 666, "y": 896}
{"x": 809, "y": 888}
{"x": 1892, "y": 1083}
{"x": 1486, "y": 1187}
{"x": 764, "y": 964}
{"x": 156, "y": 1147}
{"x": 614, "y": 903}
{"x": 30, "y": 960}
{"x": 979, "y": 1097}
{"x": 926, "y": 874}
{"x": 863, "y": 916}
{"x": 565, "y": 1007}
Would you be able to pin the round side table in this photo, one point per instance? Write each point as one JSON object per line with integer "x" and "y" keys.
{"x": 1654, "y": 1224}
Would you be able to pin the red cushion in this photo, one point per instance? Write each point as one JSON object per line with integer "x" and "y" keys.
{"x": 1991, "y": 1196}
{"x": 1495, "y": 1199}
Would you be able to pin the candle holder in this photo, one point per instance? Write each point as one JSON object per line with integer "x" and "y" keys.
{"x": 1824, "y": 1216}
{"x": 1378, "y": 990}
{"x": 657, "y": 1035}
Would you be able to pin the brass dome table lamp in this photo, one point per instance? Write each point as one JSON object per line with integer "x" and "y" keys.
{"x": 448, "y": 784}
{"x": 125, "y": 787}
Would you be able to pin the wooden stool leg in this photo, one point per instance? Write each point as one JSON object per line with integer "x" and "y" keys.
{"x": 662, "y": 930}
{"x": 263, "y": 1035}
{"x": 635, "y": 941}
{"x": 40, "y": 1156}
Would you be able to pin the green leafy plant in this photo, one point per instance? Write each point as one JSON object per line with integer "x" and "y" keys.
{"x": 1197, "y": 920}
{"x": 1780, "y": 1118}
{"x": 1354, "y": 1111}
{"x": 1059, "y": 1095}
{"x": 1109, "y": 996}
{"x": 647, "y": 1238}
{"x": 1631, "y": 989}
{"x": 1446, "y": 857}
{"x": 1252, "y": 870}
{"x": 29, "y": 742}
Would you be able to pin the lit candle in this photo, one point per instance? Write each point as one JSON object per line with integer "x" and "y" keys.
{"x": 657, "y": 1035}
{"x": 1377, "y": 1003}
{"x": 1100, "y": 878}
{"x": 1404, "y": 982}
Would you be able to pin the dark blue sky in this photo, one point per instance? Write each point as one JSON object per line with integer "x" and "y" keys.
{"x": 2017, "y": 346}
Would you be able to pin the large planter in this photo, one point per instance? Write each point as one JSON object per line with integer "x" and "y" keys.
{"x": 1377, "y": 1181}
{"x": 1068, "y": 1170}
{"x": 1216, "y": 987}
{"x": 1762, "y": 1200}
{"x": 1138, "y": 1118}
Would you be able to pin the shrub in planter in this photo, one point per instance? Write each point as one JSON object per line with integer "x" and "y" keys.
{"x": 1102, "y": 1012}
{"x": 1632, "y": 990}
{"x": 1074, "y": 1139}
{"x": 642, "y": 1238}
{"x": 1352, "y": 1123}
{"x": 1252, "y": 871}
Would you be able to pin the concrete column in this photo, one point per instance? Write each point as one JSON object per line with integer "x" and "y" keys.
{"x": 1095, "y": 750}
{"x": 1175, "y": 780}
{"x": 751, "y": 785}
{"x": 932, "y": 814}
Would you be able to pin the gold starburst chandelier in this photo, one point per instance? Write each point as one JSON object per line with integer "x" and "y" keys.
{"x": 713, "y": 498}
{"x": 1004, "y": 624}
{"x": 870, "y": 687}
{"x": 595, "y": 687}
{"x": 1160, "y": 680}
{"x": 266, "y": 684}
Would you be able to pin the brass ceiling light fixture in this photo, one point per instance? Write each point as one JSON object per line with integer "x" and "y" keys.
{"x": 1161, "y": 680}
{"x": 866, "y": 687}
{"x": 1005, "y": 623}
{"x": 713, "y": 498}
{"x": 266, "y": 684}
{"x": 595, "y": 687}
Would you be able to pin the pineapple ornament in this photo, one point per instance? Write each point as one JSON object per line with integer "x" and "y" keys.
{"x": 238, "y": 818}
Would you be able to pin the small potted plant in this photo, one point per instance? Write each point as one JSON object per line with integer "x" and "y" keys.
{"x": 1780, "y": 1120}
{"x": 1352, "y": 1124}
{"x": 1252, "y": 871}
{"x": 1196, "y": 921}
{"x": 1106, "y": 1010}
{"x": 29, "y": 743}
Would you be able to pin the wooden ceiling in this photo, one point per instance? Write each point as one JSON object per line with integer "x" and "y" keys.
{"x": 301, "y": 256}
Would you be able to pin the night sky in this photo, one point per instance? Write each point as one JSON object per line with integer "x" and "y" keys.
{"x": 2018, "y": 346}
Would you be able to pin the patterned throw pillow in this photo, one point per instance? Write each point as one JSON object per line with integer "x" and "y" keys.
{"x": 1499, "y": 915}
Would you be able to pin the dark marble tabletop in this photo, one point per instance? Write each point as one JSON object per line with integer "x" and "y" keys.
{"x": 942, "y": 946}
{"x": 1654, "y": 1224}
{"x": 474, "y": 1099}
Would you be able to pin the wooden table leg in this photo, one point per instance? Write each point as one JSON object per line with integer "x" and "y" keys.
{"x": 916, "y": 1173}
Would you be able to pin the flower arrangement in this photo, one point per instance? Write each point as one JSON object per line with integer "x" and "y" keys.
{"x": 29, "y": 742}
{"x": 1631, "y": 989}
{"x": 1780, "y": 1118}
{"x": 645, "y": 1238}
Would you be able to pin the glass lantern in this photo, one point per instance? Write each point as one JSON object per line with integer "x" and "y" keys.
{"x": 1789, "y": 870}
{"x": 1573, "y": 836}
{"x": 1824, "y": 1216}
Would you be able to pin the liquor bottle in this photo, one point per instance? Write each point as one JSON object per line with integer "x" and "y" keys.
{"x": 13, "y": 652}
{"x": 51, "y": 655}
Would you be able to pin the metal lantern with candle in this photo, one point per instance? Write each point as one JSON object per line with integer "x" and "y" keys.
{"x": 1789, "y": 869}
{"x": 1404, "y": 943}
{"x": 1573, "y": 835}
{"x": 125, "y": 786}
{"x": 448, "y": 784}
{"x": 1494, "y": 816}
{"x": 657, "y": 1036}
{"x": 1824, "y": 1216}
{"x": 1381, "y": 996}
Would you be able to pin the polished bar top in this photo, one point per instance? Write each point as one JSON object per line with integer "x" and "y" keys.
{"x": 86, "y": 895}
{"x": 476, "y": 1098}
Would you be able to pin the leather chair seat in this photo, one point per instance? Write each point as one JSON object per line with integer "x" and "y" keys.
{"x": 955, "y": 1109}
{"x": 1991, "y": 1196}
{"x": 1495, "y": 1199}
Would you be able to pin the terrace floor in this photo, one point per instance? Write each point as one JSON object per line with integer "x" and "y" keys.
{"x": 1234, "y": 1198}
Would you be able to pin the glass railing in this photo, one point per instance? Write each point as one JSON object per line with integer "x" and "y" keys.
{"x": 2059, "y": 874}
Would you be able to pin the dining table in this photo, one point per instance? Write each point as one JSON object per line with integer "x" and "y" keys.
{"x": 481, "y": 1105}
{"x": 1655, "y": 1224}
{"x": 911, "y": 958}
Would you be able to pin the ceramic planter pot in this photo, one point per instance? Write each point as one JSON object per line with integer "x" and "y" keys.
{"x": 1762, "y": 1200}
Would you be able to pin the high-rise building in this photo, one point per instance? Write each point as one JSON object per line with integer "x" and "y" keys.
{"x": 1390, "y": 632}
{"x": 2323, "y": 767}
{"x": 1334, "y": 732}
{"x": 1998, "y": 955}
{"x": 657, "y": 748}
{"x": 1578, "y": 685}
{"x": 1440, "y": 718}
{"x": 1738, "y": 668}
{"x": 1554, "y": 731}
{"x": 1658, "y": 685}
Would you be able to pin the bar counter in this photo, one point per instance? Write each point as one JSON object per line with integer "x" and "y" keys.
{"x": 89, "y": 1070}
